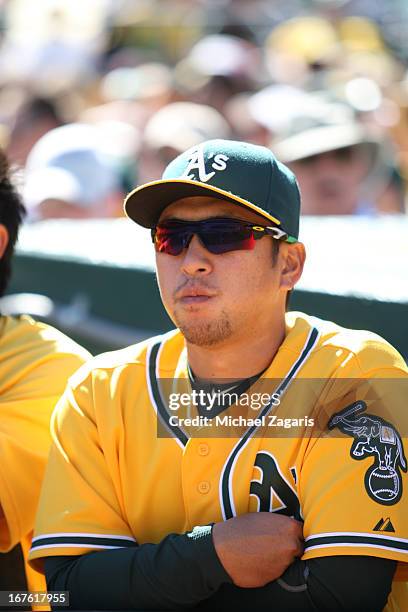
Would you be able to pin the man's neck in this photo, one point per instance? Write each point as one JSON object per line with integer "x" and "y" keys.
{"x": 234, "y": 359}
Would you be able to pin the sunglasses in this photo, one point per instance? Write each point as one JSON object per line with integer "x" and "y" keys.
{"x": 218, "y": 235}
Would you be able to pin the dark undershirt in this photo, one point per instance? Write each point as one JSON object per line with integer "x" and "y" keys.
{"x": 177, "y": 574}
{"x": 183, "y": 571}
{"x": 230, "y": 389}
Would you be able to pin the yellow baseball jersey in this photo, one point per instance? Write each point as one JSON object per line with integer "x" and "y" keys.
{"x": 35, "y": 363}
{"x": 327, "y": 447}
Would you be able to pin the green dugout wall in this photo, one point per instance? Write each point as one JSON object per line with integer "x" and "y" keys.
{"x": 95, "y": 279}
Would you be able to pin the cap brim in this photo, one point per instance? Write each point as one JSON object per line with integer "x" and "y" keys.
{"x": 320, "y": 140}
{"x": 145, "y": 203}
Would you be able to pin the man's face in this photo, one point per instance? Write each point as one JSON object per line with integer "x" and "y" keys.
{"x": 213, "y": 298}
{"x": 331, "y": 182}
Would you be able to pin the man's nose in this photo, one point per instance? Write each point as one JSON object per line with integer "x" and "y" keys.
{"x": 196, "y": 259}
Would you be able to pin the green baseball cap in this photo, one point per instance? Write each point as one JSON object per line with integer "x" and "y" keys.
{"x": 242, "y": 173}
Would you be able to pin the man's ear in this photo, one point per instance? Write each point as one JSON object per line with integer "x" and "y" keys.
{"x": 4, "y": 239}
{"x": 293, "y": 259}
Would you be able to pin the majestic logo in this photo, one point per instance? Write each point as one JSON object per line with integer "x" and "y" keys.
{"x": 198, "y": 162}
{"x": 374, "y": 437}
{"x": 384, "y": 525}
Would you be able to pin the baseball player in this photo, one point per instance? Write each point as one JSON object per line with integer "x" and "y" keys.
{"x": 165, "y": 489}
{"x": 35, "y": 363}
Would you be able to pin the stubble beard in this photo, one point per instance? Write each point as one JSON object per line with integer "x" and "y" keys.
{"x": 205, "y": 333}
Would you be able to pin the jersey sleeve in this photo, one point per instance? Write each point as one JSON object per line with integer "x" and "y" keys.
{"x": 80, "y": 508}
{"x": 26, "y": 408}
{"x": 353, "y": 482}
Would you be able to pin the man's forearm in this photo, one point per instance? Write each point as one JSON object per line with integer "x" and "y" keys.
{"x": 181, "y": 571}
{"x": 184, "y": 571}
{"x": 338, "y": 584}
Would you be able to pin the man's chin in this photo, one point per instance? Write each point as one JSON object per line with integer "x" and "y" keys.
{"x": 202, "y": 333}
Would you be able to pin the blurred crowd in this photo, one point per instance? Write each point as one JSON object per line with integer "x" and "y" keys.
{"x": 98, "y": 96}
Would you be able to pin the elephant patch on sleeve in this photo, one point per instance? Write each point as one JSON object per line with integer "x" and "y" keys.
{"x": 377, "y": 438}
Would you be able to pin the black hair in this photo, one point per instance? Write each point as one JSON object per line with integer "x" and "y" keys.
{"x": 12, "y": 213}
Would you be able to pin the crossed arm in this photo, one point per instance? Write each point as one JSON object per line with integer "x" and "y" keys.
{"x": 248, "y": 562}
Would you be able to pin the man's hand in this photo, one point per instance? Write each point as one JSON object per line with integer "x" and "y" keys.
{"x": 256, "y": 548}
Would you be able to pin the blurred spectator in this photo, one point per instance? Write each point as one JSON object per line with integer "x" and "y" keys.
{"x": 245, "y": 125}
{"x": 125, "y": 111}
{"x": 218, "y": 67}
{"x": 276, "y": 107}
{"x": 150, "y": 85}
{"x": 342, "y": 167}
{"x": 173, "y": 129}
{"x": 34, "y": 118}
{"x": 72, "y": 172}
{"x": 258, "y": 64}
{"x": 299, "y": 51}
{"x": 54, "y": 47}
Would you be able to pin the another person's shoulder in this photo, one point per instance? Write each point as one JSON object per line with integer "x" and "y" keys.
{"x": 24, "y": 331}
{"x": 36, "y": 359}
{"x": 356, "y": 350}
{"x": 29, "y": 347}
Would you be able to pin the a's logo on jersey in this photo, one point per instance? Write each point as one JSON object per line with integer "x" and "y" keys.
{"x": 272, "y": 490}
{"x": 217, "y": 163}
{"x": 374, "y": 437}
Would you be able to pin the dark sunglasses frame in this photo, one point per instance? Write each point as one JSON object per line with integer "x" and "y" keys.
{"x": 213, "y": 234}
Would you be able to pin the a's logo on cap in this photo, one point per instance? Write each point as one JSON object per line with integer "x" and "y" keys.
{"x": 198, "y": 162}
